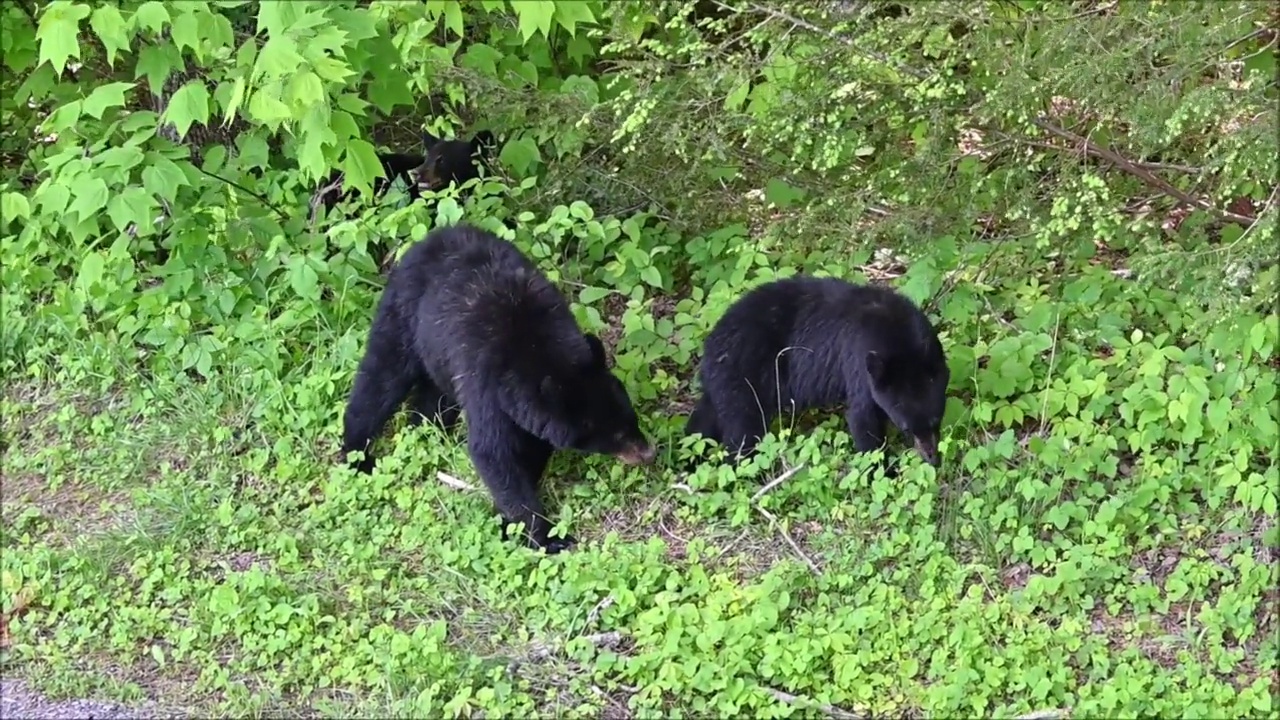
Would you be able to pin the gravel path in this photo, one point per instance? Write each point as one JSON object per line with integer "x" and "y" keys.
{"x": 19, "y": 702}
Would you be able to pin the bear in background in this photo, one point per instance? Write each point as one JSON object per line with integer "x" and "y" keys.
{"x": 443, "y": 161}
{"x": 467, "y": 323}
{"x": 806, "y": 342}
{"x": 452, "y": 161}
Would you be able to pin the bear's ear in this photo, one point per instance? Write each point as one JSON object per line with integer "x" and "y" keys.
{"x": 482, "y": 143}
{"x": 598, "y": 355}
{"x": 876, "y": 367}
{"x": 428, "y": 141}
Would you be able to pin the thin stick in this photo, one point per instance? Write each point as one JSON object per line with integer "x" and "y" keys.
{"x": 828, "y": 710}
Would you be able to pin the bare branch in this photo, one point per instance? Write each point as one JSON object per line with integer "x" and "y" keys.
{"x": 1089, "y": 147}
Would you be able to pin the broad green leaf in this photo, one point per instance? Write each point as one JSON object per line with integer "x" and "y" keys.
{"x": 481, "y": 57}
{"x": 152, "y": 15}
{"x": 64, "y": 118}
{"x": 163, "y": 177}
{"x": 91, "y": 269}
{"x": 57, "y": 34}
{"x": 570, "y": 14}
{"x": 189, "y": 105}
{"x": 106, "y": 96}
{"x": 110, "y": 27}
{"x": 133, "y": 205}
{"x": 53, "y": 197}
{"x": 520, "y": 155}
{"x": 582, "y": 86}
{"x": 14, "y": 206}
{"x": 360, "y": 165}
{"x": 590, "y": 295}
{"x": 267, "y": 109}
{"x": 89, "y": 195}
{"x": 124, "y": 157}
{"x": 305, "y": 90}
{"x": 782, "y": 194}
{"x": 155, "y": 62}
{"x": 534, "y": 16}
{"x": 737, "y": 96}
{"x": 453, "y": 17}
{"x": 186, "y": 32}
{"x": 278, "y": 58}
{"x": 237, "y": 97}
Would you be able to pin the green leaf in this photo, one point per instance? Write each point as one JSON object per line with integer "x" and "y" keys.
{"x": 590, "y": 295}
{"x": 106, "y": 96}
{"x": 569, "y": 14}
{"x": 190, "y": 104}
{"x": 109, "y": 25}
{"x": 90, "y": 195}
{"x": 782, "y": 194}
{"x": 186, "y": 32}
{"x": 737, "y": 96}
{"x": 91, "y": 269}
{"x": 360, "y": 165}
{"x": 14, "y": 206}
{"x": 133, "y": 205}
{"x": 163, "y": 177}
{"x": 237, "y": 97}
{"x": 534, "y": 16}
{"x": 520, "y": 155}
{"x": 57, "y": 34}
{"x": 267, "y": 109}
{"x": 155, "y": 62}
{"x": 152, "y": 15}
{"x": 278, "y": 58}
{"x": 651, "y": 276}
{"x": 306, "y": 89}
{"x": 453, "y": 17}
{"x": 64, "y": 118}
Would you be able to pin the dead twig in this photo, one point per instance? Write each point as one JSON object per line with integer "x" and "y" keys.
{"x": 454, "y": 482}
{"x": 773, "y": 521}
{"x": 610, "y": 640}
{"x": 828, "y": 710}
{"x": 1091, "y": 148}
{"x": 1050, "y": 714}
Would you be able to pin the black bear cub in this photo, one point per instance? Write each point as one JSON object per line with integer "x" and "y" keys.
{"x": 807, "y": 342}
{"x": 468, "y": 324}
{"x": 444, "y": 161}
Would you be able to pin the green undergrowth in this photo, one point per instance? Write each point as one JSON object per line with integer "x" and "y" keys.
{"x": 1100, "y": 541}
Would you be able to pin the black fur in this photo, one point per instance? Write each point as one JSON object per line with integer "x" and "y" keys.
{"x": 807, "y": 342}
{"x": 467, "y": 323}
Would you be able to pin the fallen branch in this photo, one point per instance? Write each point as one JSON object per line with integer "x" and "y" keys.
{"x": 773, "y": 521}
{"x": 1090, "y": 148}
{"x": 1051, "y": 714}
{"x": 454, "y": 482}
{"x": 610, "y": 640}
{"x": 828, "y": 710}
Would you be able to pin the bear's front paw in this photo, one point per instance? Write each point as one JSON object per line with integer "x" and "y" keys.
{"x": 555, "y": 545}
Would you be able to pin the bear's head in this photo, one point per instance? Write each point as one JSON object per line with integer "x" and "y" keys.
{"x": 912, "y": 391}
{"x": 594, "y": 405}
{"x": 455, "y": 161}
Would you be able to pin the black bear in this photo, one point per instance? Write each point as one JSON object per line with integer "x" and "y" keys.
{"x": 468, "y": 324}
{"x": 807, "y": 342}
{"x": 444, "y": 161}
{"x": 454, "y": 161}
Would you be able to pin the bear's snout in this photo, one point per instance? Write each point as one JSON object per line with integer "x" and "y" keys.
{"x": 928, "y": 449}
{"x": 638, "y": 454}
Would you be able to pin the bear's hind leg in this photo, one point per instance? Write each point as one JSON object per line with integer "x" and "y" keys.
{"x": 743, "y": 418}
{"x": 429, "y": 401}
